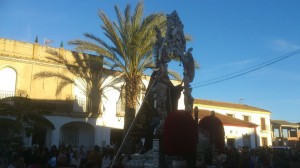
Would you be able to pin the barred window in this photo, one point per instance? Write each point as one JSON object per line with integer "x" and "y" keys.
{"x": 247, "y": 140}
{"x": 4, "y": 131}
{"x": 70, "y": 136}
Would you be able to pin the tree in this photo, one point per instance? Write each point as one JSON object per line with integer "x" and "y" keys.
{"x": 132, "y": 38}
{"x": 26, "y": 116}
{"x": 91, "y": 74}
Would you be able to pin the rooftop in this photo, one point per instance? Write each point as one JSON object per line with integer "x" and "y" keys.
{"x": 226, "y": 120}
{"x": 282, "y": 122}
{"x": 228, "y": 105}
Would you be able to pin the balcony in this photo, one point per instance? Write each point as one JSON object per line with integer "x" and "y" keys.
{"x": 4, "y": 94}
{"x": 77, "y": 107}
{"x": 69, "y": 107}
{"x": 79, "y": 104}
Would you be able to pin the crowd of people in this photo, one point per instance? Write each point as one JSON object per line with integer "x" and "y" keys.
{"x": 62, "y": 156}
{"x": 262, "y": 157}
{"x": 102, "y": 157}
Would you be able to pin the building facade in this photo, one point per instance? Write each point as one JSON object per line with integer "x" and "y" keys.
{"x": 74, "y": 125}
{"x": 19, "y": 62}
{"x": 238, "y": 135}
{"x": 285, "y": 133}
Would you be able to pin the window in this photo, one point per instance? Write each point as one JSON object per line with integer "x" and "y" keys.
{"x": 247, "y": 118}
{"x": 285, "y": 133}
{"x": 293, "y": 132}
{"x": 8, "y": 87}
{"x": 247, "y": 140}
{"x": 264, "y": 141}
{"x": 276, "y": 132}
{"x": 263, "y": 124}
{"x": 231, "y": 142}
{"x": 70, "y": 136}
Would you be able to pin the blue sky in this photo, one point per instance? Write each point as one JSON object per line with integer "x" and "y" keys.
{"x": 228, "y": 36}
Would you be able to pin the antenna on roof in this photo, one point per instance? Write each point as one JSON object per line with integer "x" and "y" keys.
{"x": 241, "y": 101}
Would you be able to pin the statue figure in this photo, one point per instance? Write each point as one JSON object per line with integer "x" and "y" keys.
{"x": 160, "y": 55}
{"x": 189, "y": 66}
{"x": 188, "y": 76}
{"x": 175, "y": 36}
{"x": 162, "y": 96}
{"x": 176, "y": 46}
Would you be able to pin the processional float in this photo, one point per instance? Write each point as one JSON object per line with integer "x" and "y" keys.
{"x": 161, "y": 98}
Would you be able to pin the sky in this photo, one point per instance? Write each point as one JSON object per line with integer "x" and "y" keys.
{"x": 228, "y": 37}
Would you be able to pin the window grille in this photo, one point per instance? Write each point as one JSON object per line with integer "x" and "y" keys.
{"x": 247, "y": 140}
{"x": 70, "y": 136}
{"x": 4, "y": 94}
{"x": 4, "y": 132}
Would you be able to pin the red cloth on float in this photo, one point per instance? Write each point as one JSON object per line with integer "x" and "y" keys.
{"x": 180, "y": 134}
{"x": 214, "y": 127}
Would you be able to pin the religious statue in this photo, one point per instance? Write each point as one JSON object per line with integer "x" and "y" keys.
{"x": 161, "y": 95}
{"x": 176, "y": 47}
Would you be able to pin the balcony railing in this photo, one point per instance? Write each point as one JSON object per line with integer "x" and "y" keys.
{"x": 4, "y": 94}
{"x": 79, "y": 105}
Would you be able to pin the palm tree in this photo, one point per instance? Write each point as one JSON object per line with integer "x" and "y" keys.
{"x": 91, "y": 74}
{"x": 25, "y": 115}
{"x": 132, "y": 38}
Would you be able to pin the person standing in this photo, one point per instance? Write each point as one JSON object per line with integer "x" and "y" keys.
{"x": 81, "y": 155}
{"x": 108, "y": 158}
{"x": 95, "y": 158}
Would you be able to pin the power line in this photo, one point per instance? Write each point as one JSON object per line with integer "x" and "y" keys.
{"x": 245, "y": 71}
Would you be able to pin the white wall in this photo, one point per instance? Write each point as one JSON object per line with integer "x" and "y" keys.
{"x": 237, "y": 133}
{"x": 255, "y": 117}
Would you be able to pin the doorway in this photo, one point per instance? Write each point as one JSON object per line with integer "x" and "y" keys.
{"x": 231, "y": 142}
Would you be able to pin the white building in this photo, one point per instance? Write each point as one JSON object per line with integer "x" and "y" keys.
{"x": 74, "y": 126}
{"x": 20, "y": 61}
{"x": 256, "y": 122}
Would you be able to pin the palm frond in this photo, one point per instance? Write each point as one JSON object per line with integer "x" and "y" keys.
{"x": 48, "y": 74}
{"x": 138, "y": 15}
{"x": 110, "y": 31}
{"x": 174, "y": 75}
{"x": 62, "y": 85}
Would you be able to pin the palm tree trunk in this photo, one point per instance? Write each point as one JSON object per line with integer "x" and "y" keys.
{"x": 131, "y": 89}
{"x": 94, "y": 103}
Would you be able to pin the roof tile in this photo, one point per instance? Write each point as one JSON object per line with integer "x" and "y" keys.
{"x": 228, "y": 105}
